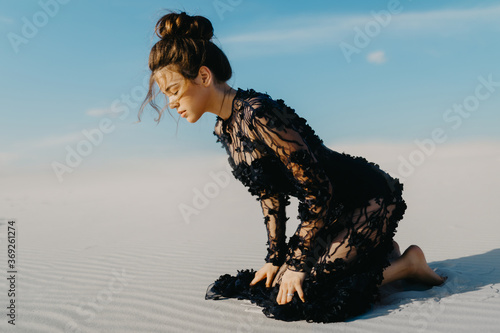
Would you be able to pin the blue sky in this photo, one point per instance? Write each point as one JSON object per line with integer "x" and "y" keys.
{"x": 84, "y": 59}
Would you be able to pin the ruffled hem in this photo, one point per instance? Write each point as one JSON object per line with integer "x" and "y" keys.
{"x": 328, "y": 300}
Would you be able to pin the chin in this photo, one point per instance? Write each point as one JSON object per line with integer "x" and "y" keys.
{"x": 192, "y": 120}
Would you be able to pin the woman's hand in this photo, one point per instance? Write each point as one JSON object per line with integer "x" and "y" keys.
{"x": 291, "y": 282}
{"x": 267, "y": 271}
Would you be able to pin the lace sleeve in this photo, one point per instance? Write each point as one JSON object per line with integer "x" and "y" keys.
{"x": 275, "y": 126}
{"x": 274, "y": 210}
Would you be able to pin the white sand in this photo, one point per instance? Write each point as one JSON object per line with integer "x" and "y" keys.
{"x": 108, "y": 250}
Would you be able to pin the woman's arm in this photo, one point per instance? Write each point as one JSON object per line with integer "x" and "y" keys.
{"x": 274, "y": 211}
{"x": 272, "y": 124}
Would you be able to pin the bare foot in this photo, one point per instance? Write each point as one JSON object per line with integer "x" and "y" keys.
{"x": 419, "y": 269}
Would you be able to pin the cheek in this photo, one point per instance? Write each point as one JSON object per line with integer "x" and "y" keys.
{"x": 197, "y": 100}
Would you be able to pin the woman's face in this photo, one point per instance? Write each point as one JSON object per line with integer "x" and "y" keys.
{"x": 189, "y": 97}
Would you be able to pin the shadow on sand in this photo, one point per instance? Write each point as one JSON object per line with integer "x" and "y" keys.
{"x": 466, "y": 274}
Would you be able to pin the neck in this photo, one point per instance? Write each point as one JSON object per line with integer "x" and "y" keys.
{"x": 223, "y": 100}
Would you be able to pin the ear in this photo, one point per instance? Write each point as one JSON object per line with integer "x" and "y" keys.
{"x": 205, "y": 76}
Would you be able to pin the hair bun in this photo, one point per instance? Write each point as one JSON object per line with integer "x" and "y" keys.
{"x": 182, "y": 25}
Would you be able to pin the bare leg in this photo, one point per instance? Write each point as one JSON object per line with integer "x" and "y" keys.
{"x": 395, "y": 254}
{"x": 412, "y": 265}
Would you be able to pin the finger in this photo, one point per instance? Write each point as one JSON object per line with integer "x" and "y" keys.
{"x": 278, "y": 298}
{"x": 282, "y": 296}
{"x": 300, "y": 292}
{"x": 285, "y": 298}
{"x": 268, "y": 281}
{"x": 258, "y": 277}
{"x": 289, "y": 296}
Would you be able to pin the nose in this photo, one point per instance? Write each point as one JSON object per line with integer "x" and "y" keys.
{"x": 172, "y": 104}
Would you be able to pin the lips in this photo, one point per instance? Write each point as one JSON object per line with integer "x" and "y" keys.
{"x": 182, "y": 113}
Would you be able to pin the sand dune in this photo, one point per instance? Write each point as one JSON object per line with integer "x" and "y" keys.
{"x": 109, "y": 249}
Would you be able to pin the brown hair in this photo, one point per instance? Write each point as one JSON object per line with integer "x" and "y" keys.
{"x": 185, "y": 44}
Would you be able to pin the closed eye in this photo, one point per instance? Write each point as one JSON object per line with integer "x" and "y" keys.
{"x": 169, "y": 92}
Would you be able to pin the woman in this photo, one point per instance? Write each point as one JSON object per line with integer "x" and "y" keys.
{"x": 340, "y": 254}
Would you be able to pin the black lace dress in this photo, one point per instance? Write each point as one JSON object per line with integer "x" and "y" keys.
{"x": 348, "y": 208}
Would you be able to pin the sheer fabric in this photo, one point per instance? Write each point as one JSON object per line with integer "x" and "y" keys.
{"x": 348, "y": 210}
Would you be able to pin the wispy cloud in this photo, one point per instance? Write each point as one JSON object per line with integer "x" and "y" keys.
{"x": 293, "y": 34}
{"x": 377, "y": 57}
{"x": 6, "y": 20}
{"x": 449, "y": 18}
{"x": 98, "y": 112}
{"x": 61, "y": 140}
{"x": 103, "y": 112}
{"x": 297, "y": 29}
